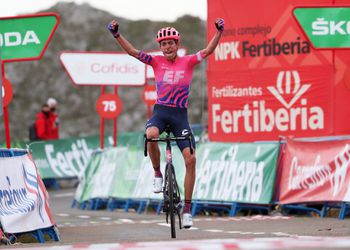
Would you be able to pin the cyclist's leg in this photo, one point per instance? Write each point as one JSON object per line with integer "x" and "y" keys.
{"x": 190, "y": 177}
{"x": 181, "y": 127}
{"x": 153, "y": 148}
{"x": 154, "y": 127}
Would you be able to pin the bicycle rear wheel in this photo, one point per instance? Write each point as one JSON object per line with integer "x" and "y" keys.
{"x": 170, "y": 169}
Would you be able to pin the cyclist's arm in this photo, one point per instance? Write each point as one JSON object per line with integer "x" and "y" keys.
{"x": 113, "y": 27}
{"x": 127, "y": 46}
{"x": 219, "y": 24}
{"x": 211, "y": 45}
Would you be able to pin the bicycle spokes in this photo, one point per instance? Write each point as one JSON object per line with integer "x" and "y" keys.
{"x": 176, "y": 198}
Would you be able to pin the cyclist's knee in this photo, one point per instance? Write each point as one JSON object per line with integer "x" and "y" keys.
{"x": 190, "y": 161}
{"x": 152, "y": 132}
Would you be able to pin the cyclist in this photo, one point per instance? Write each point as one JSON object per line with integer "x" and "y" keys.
{"x": 173, "y": 76}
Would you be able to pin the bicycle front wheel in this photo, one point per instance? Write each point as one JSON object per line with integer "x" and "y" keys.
{"x": 170, "y": 173}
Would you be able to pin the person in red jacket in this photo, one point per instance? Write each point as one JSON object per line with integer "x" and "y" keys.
{"x": 54, "y": 116}
{"x": 44, "y": 124}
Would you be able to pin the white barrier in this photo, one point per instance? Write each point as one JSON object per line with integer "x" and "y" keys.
{"x": 23, "y": 197}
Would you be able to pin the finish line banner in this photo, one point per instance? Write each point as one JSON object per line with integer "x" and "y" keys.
{"x": 265, "y": 79}
{"x": 315, "y": 172}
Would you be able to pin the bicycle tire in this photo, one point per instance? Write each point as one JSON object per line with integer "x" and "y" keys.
{"x": 170, "y": 169}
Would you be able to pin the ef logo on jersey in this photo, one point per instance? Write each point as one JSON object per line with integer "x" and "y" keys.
{"x": 171, "y": 76}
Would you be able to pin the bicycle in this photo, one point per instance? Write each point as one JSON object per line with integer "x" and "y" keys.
{"x": 171, "y": 195}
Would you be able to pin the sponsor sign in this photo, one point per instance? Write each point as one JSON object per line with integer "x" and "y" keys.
{"x": 325, "y": 27}
{"x": 315, "y": 171}
{"x": 69, "y": 157}
{"x": 97, "y": 68}
{"x": 109, "y": 106}
{"x": 23, "y": 199}
{"x": 26, "y": 37}
{"x": 265, "y": 80}
{"x": 236, "y": 172}
{"x": 63, "y": 158}
{"x": 271, "y": 105}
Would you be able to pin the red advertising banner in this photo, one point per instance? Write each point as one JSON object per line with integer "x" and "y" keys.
{"x": 266, "y": 103}
{"x": 315, "y": 171}
{"x": 265, "y": 80}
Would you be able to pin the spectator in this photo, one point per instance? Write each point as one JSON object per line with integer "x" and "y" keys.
{"x": 44, "y": 124}
{"x": 54, "y": 116}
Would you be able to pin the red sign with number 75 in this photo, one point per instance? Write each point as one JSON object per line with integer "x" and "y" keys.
{"x": 109, "y": 106}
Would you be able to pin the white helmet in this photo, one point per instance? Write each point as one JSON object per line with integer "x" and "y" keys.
{"x": 51, "y": 102}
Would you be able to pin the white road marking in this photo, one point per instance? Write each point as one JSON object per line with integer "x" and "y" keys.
{"x": 70, "y": 194}
{"x": 234, "y": 232}
{"x": 164, "y": 224}
{"x": 284, "y": 234}
{"x": 214, "y": 230}
{"x": 84, "y": 216}
{"x": 127, "y": 221}
{"x": 105, "y": 218}
{"x": 150, "y": 221}
{"x": 63, "y": 215}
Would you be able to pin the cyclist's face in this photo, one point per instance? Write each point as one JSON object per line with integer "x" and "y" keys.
{"x": 169, "y": 48}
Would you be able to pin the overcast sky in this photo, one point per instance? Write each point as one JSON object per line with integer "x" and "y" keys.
{"x": 132, "y": 9}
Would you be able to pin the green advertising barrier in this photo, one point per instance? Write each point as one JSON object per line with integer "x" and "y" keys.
{"x": 84, "y": 188}
{"x": 225, "y": 172}
{"x": 243, "y": 172}
{"x": 100, "y": 174}
{"x": 26, "y": 37}
{"x": 69, "y": 157}
{"x": 326, "y": 27}
{"x": 66, "y": 158}
{"x": 144, "y": 182}
{"x": 131, "y": 172}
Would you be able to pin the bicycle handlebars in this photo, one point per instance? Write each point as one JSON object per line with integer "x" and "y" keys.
{"x": 168, "y": 139}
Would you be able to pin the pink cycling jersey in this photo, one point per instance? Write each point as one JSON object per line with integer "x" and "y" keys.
{"x": 172, "y": 79}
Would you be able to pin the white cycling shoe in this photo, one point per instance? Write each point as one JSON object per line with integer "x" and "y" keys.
{"x": 157, "y": 184}
{"x": 187, "y": 220}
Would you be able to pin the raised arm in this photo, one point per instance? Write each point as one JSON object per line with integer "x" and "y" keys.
{"x": 219, "y": 24}
{"x": 113, "y": 27}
